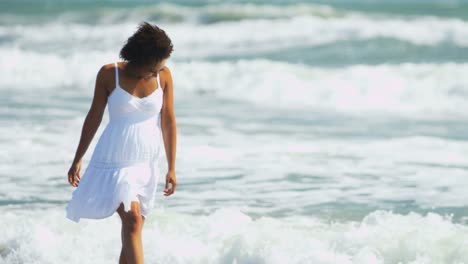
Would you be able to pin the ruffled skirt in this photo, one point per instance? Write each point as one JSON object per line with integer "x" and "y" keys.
{"x": 123, "y": 169}
{"x": 101, "y": 190}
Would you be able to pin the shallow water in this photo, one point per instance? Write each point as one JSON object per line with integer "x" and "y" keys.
{"x": 308, "y": 132}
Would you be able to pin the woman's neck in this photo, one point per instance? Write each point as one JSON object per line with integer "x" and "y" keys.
{"x": 134, "y": 71}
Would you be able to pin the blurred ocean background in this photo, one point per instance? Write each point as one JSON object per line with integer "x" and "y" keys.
{"x": 308, "y": 131}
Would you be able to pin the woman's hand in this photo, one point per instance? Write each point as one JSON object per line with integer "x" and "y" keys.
{"x": 74, "y": 174}
{"x": 170, "y": 179}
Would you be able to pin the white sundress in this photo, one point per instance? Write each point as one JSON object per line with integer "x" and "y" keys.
{"x": 123, "y": 166}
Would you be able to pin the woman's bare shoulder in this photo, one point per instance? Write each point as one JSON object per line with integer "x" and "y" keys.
{"x": 108, "y": 68}
{"x": 105, "y": 74}
{"x": 166, "y": 69}
{"x": 165, "y": 76}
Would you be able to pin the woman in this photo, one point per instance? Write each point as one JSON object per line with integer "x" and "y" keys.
{"x": 122, "y": 174}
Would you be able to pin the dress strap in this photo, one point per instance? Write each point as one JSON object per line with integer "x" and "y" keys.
{"x": 159, "y": 83}
{"x": 116, "y": 74}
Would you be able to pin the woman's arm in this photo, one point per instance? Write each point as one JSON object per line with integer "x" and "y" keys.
{"x": 169, "y": 130}
{"x": 91, "y": 124}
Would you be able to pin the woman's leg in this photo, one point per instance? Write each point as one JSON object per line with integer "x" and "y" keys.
{"x": 132, "y": 225}
{"x": 123, "y": 258}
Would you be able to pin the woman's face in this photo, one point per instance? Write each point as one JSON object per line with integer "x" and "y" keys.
{"x": 153, "y": 69}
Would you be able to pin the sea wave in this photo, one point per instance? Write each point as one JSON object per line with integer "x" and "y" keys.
{"x": 241, "y": 37}
{"x": 422, "y": 90}
{"x": 230, "y": 236}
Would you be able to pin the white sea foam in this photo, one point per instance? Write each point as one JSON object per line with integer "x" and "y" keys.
{"x": 222, "y": 12}
{"x": 230, "y": 236}
{"x": 412, "y": 90}
{"x": 423, "y": 90}
{"x": 294, "y": 28}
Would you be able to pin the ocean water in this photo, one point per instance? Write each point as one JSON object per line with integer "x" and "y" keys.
{"x": 308, "y": 131}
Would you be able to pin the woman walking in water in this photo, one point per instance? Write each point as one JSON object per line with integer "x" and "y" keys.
{"x": 122, "y": 174}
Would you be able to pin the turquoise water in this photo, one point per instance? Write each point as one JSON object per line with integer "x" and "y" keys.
{"x": 308, "y": 132}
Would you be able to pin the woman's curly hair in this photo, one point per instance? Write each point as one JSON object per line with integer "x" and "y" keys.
{"x": 147, "y": 45}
